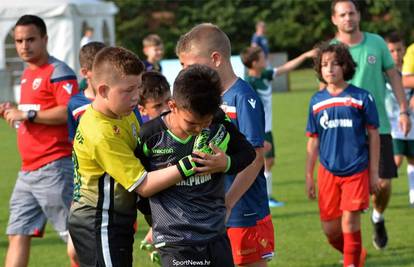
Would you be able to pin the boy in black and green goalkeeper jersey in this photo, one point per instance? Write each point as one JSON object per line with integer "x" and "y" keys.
{"x": 189, "y": 218}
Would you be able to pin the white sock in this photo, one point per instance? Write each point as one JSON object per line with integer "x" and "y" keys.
{"x": 268, "y": 176}
{"x": 376, "y": 216}
{"x": 410, "y": 174}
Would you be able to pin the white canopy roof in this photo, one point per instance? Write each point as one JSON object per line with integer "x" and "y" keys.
{"x": 65, "y": 20}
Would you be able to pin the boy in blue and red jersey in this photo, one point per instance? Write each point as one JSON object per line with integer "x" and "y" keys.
{"x": 341, "y": 119}
{"x": 246, "y": 194}
{"x": 79, "y": 102}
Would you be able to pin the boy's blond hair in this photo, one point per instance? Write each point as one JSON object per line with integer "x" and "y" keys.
{"x": 113, "y": 63}
{"x": 250, "y": 54}
{"x": 203, "y": 40}
{"x": 152, "y": 40}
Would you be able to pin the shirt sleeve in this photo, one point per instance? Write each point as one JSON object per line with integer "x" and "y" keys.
{"x": 118, "y": 160}
{"x": 72, "y": 123}
{"x": 370, "y": 112}
{"x": 250, "y": 119}
{"x": 311, "y": 127}
{"x": 408, "y": 62}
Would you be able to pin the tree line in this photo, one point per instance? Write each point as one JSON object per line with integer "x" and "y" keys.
{"x": 293, "y": 26}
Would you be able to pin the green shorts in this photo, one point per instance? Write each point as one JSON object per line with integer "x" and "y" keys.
{"x": 403, "y": 147}
{"x": 269, "y": 138}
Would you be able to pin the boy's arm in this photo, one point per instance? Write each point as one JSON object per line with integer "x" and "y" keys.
{"x": 374, "y": 150}
{"x": 294, "y": 63}
{"x": 244, "y": 179}
{"x": 311, "y": 157}
{"x": 396, "y": 84}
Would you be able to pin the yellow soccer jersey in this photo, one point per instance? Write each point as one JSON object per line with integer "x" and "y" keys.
{"x": 408, "y": 65}
{"x": 106, "y": 170}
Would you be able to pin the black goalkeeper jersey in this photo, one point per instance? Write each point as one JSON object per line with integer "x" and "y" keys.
{"x": 193, "y": 210}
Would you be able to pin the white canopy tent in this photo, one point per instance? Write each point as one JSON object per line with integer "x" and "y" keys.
{"x": 65, "y": 21}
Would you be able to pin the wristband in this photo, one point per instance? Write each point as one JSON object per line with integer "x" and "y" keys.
{"x": 405, "y": 113}
{"x": 31, "y": 115}
{"x": 185, "y": 167}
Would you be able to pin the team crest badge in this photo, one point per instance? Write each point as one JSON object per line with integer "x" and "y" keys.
{"x": 134, "y": 130}
{"x": 116, "y": 129}
{"x": 36, "y": 83}
{"x": 263, "y": 242}
{"x": 372, "y": 59}
{"x": 348, "y": 100}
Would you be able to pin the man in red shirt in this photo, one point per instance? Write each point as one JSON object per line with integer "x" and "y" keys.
{"x": 44, "y": 185}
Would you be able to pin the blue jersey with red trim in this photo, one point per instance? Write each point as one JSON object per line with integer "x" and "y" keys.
{"x": 340, "y": 123}
{"x": 242, "y": 104}
{"x": 77, "y": 106}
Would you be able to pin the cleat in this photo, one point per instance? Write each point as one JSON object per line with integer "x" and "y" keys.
{"x": 273, "y": 203}
{"x": 380, "y": 237}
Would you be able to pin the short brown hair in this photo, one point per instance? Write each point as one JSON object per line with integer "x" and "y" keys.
{"x": 210, "y": 36}
{"x": 88, "y": 52}
{"x": 334, "y": 2}
{"x": 198, "y": 90}
{"x": 250, "y": 54}
{"x": 152, "y": 40}
{"x": 111, "y": 63}
{"x": 343, "y": 57}
{"x": 154, "y": 85}
{"x": 393, "y": 37}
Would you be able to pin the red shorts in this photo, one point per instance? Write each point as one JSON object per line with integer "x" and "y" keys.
{"x": 252, "y": 244}
{"x": 337, "y": 193}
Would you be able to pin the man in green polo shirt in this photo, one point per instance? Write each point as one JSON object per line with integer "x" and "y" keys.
{"x": 373, "y": 60}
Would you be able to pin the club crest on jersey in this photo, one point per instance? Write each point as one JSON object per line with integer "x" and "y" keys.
{"x": 252, "y": 102}
{"x": 348, "y": 100}
{"x": 68, "y": 88}
{"x": 36, "y": 83}
{"x": 116, "y": 129}
{"x": 372, "y": 59}
{"x": 134, "y": 130}
{"x": 23, "y": 81}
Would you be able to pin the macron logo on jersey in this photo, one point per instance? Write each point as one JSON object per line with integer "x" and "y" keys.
{"x": 326, "y": 123}
{"x": 252, "y": 102}
{"x": 68, "y": 88}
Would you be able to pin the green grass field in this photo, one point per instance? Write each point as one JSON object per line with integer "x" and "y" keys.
{"x": 299, "y": 239}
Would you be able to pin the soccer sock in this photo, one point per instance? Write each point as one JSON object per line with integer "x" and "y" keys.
{"x": 268, "y": 176}
{"x": 376, "y": 216}
{"x": 410, "y": 174}
{"x": 352, "y": 248}
{"x": 337, "y": 243}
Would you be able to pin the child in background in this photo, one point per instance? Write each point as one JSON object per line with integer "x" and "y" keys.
{"x": 153, "y": 49}
{"x": 259, "y": 77}
{"x": 403, "y": 145}
{"x": 154, "y": 94}
{"x": 342, "y": 117}
{"x": 79, "y": 102}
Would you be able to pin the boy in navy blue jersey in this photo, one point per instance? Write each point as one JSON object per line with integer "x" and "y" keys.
{"x": 79, "y": 102}
{"x": 340, "y": 116}
{"x": 188, "y": 219}
{"x": 246, "y": 194}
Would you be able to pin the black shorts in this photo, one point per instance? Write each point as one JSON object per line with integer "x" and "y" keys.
{"x": 216, "y": 253}
{"x": 97, "y": 244}
{"x": 387, "y": 167}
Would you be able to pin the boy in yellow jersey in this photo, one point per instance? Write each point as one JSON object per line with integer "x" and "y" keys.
{"x": 107, "y": 174}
